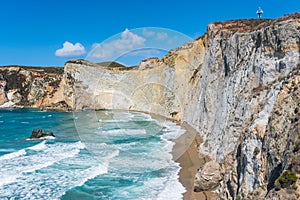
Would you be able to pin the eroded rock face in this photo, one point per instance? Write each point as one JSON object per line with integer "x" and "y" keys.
{"x": 31, "y": 86}
{"x": 209, "y": 177}
{"x": 3, "y": 98}
{"x": 62, "y": 105}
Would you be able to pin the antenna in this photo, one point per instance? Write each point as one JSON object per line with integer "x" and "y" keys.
{"x": 259, "y": 12}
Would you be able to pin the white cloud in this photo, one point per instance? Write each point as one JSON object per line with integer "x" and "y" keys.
{"x": 148, "y": 33}
{"x": 70, "y": 49}
{"x": 161, "y": 36}
{"x": 155, "y": 34}
{"x": 147, "y": 52}
{"x": 110, "y": 50}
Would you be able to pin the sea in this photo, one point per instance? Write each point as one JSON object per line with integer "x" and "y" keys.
{"x": 115, "y": 155}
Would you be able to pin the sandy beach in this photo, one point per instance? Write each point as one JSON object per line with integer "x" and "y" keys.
{"x": 185, "y": 152}
{"x": 190, "y": 163}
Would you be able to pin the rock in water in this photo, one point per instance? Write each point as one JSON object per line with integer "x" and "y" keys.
{"x": 40, "y": 133}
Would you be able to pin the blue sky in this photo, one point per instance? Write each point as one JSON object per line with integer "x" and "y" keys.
{"x": 32, "y": 31}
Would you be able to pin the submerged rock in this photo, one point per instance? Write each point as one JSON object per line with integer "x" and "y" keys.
{"x": 40, "y": 133}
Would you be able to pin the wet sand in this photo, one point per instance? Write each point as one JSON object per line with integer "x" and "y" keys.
{"x": 190, "y": 162}
{"x": 185, "y": 152}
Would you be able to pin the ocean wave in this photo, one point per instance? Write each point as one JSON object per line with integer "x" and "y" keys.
{"x": 172, "y": 130}
{"x": 168, "y": 187}
{"x": 123, "y": 132}
{"x": 52, "y": 182}
{"x": 7, "y": 150}
{"x": 15, "y": 164}
{"x": 51, "y": 169}
{"x": 39, "y": 146}
{"x": 12, "y": 155}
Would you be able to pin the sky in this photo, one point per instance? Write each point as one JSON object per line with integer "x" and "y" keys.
{"x": 51, "y": 32}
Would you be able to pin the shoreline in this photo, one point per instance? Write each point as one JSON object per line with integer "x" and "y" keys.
{"x": 185, "y": 152}
{"x": 190, "y": 162}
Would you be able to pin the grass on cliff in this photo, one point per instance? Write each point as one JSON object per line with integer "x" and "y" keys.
{"x": 115, "y": 65}
{"x": 285, "y": 180}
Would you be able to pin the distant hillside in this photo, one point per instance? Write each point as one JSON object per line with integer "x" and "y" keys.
{"x": 115, "y": 65}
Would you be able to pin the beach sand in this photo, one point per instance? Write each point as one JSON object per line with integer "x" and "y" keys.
{"x": 190, "y": 162}
{"x": 185, "y": 152}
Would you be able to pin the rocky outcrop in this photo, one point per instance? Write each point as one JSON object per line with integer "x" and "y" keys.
{"x": 61, "y": 105}
{"x": 208, "y": 177}
{"x": 238, "y": 85}
{"x": 31, "y": 86}
{"x": 40, "y": 134}
{"x": 3, "y": 98}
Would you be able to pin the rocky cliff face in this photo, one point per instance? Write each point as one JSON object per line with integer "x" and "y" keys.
{"x": 229, "y": 85}
{"x": 238, "y": 85}
{"x": 32, "y": 87}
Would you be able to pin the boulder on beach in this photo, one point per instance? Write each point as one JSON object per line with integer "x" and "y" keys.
{"x": 208, "y": 178}
{"x": 40, "y": 133}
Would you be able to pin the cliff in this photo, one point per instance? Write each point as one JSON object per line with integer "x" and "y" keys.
{"x": 238, "y": 86}
{"x": 34, "y": 87}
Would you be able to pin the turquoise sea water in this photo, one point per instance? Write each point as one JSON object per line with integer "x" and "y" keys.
{"x": 95, "y": 155}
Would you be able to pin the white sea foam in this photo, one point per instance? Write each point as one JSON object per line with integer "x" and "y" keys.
{"x": 123, "y": 132}
{"x": 102, "y": 151}
{"x": 13, "y": 155}
{"x": 161, "y": 188}
{"x": 114, "y": 120}
{"x": 172, "y": 189}
{"x": 39, "y": 146}
{"x": 173, "y": 131}
{"x": 126, "y": 116}
{"x": 13, "y": 165}
{"x": 49, "y": 169}
{"x": 7, "y": 150}
{"x": 168, "y": 187}
{"x": 47, "y": 138}
{"x": 52, "y": 182}
{"x": 42, "y": 138}
{"x": 143, "y": 117}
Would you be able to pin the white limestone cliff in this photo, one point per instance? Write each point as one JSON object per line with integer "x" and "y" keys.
{"x": 223, "y": 84}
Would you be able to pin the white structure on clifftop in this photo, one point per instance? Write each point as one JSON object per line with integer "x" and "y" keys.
{"x": 259, "y": 12}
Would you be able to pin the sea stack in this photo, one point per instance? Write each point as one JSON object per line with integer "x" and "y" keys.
{"x": 40, "y": 133}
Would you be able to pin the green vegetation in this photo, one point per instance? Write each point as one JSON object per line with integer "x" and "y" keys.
{"x": 173, "y": 113}
{"x": 111, "y": 64}
{"x": 285, "y": 180}
{"x": 116, "y": 65}
{"x": 60, "y": 70}
{"x": 256, "y": 151}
